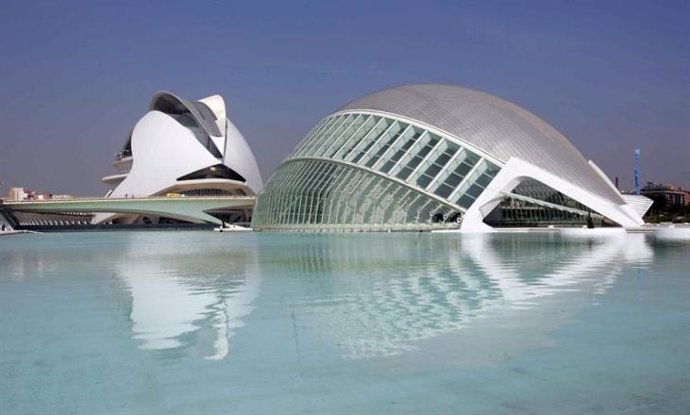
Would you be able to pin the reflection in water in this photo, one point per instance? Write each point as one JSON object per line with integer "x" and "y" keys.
{"x": 189, "y": 299}
{"x": 377, "y": 298}
{"x": 368, "y": 295}
{"x": 498, "y": 324}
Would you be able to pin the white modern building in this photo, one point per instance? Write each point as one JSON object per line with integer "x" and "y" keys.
{"x": 183, "y": 148}
{"x": 425, "y": 157}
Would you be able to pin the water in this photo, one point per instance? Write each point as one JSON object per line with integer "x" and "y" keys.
{"x": 202, "y": 322}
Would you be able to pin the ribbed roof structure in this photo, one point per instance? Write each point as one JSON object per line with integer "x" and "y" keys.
{"x": 496, "y": 126}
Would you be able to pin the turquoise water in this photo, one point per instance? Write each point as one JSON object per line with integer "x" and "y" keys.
{"x": 203, "y": 322}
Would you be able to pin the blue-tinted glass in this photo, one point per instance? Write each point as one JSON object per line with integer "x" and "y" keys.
{"x": 465, "y": 201}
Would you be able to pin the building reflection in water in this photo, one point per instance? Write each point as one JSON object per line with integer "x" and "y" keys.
{"x": 383, "y": 297}
{"x": 365, "y": 295}
{"x": 189, "y": 300}
{"x": 371, "y": 295}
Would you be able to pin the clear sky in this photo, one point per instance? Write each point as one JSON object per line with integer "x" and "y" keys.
{"x": 76, "y": 76}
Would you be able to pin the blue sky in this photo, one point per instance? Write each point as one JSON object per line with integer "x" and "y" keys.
{"x": 76, "y": 76}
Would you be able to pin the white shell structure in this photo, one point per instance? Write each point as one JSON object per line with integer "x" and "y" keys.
{"x": 184, "y": 148}
{"x": 426, "y": 157}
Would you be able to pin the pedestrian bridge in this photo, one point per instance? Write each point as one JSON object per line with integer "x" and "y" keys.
{"x": 192, "y": 209}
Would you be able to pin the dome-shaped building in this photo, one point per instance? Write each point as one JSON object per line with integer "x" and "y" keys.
{"x": 423, "y": 157}
{"x": 184, "y": 148}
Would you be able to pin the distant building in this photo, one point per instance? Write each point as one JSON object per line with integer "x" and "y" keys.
{"x": 674, "y": 195}
{"x": 32, "y": 195}
{"x": 16, "y": 194}
{"x": 36, "y": 196}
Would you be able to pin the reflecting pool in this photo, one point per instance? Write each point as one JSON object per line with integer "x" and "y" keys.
{"x": 204, "y": 322}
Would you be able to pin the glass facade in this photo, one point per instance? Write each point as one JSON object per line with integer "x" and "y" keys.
{"x": 361, "y": 171}
{"x": 516, "y": 209}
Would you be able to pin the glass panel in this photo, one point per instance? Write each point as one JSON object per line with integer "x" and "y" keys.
{"x": 402, "y": 146}
{"x": 465, "y": 201}
{"x": 310, "y": 137}
{"x": 354, "y": 140}
{"x": 319, "y": 195}
{"x": 422, "y": 139}
{"x": 391, "y": 147}
{"x": 483, "y": 180}
{"x": 433, "y": 170}
{"x": 444, "y": 191}
{"x": 475, "y": 190}
{"x": 313, "y": 143}
{"x": 354, "y": 124}
{"x": 383, "y": 143}
{"x": 334, "y": 134}
{"x": 462, "y": 169}
{"x": 369, "y": 140}
{"x": 453, "y": 180}
{"x": 424, "y": 180}
{"x": 410, "y": 167}
{"x": 427, "y": 157}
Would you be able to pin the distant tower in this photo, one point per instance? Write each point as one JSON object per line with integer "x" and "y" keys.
{"x": 637, "y": 171}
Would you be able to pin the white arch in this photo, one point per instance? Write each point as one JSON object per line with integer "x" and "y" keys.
{"x": 517, "y": 170}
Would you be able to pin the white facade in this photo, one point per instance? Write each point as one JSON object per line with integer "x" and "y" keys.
{"x": 187, "y": 148}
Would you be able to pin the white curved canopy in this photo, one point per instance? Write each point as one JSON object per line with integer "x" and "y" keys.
{"x": 168, "y": 103}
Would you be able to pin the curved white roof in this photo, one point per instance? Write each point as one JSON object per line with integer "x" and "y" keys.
{"x": 211, "y": 114}
{"x": 168, "y": 103}
{"x": 497, "y": 126}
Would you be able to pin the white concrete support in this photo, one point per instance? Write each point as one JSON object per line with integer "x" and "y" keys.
{"x": 517, "y": 170}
